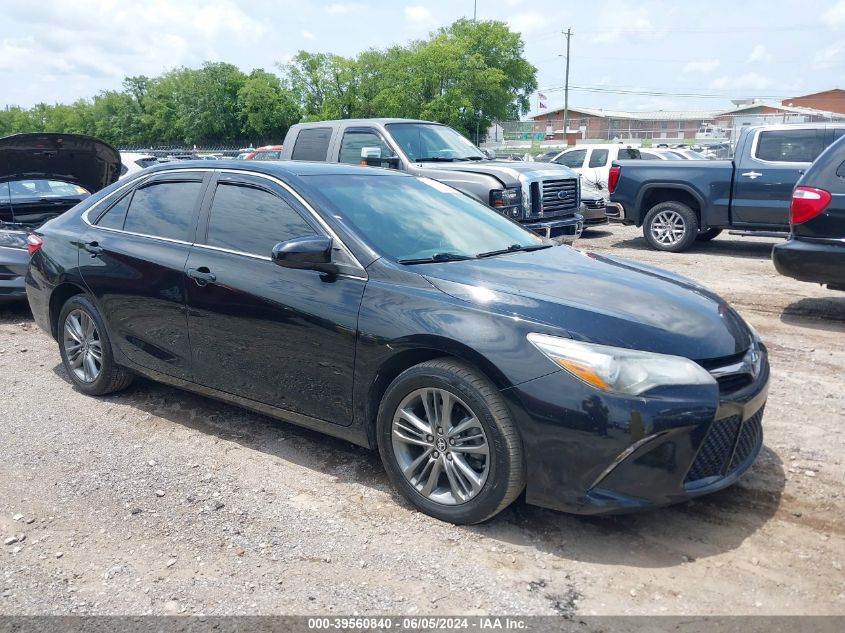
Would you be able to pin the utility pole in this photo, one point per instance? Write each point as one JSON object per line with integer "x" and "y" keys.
{"x": 568, "y": 35}
{"x": 474, "y": 10}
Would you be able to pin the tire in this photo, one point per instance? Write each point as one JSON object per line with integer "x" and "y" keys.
{"x": 670, "y": 214}
{"x": 77, "y": 313}
{"x": 706, "y": 236}
{"x": 476, "y": 405}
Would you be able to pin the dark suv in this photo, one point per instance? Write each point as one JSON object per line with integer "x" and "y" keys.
{"x": 815, "y": 250}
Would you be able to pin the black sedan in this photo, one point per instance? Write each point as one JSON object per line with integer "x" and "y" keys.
{"x": 815, "y": 250}
{"x": 397, "y": 313}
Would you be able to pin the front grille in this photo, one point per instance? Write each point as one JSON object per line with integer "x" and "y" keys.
{"x": 560, "y": 197}
{"x": 733, "y": 382}
{"x": 727, "y": 440}
{"x": 593, "y": 204}
{"x": 750, "y": 437}
{"x": 716, "y": 449}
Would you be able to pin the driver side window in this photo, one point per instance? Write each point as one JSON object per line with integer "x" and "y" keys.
{"x": 573, "y": 159}
{"x": 355, "y": 140}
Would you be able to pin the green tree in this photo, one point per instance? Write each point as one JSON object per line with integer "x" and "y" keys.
{"x": 266, "y": 107}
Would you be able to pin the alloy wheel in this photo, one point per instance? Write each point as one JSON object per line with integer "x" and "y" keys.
{"x": 668, "y": 227}
{"x": 83, "y": 346}
{"x": 440, "y": 446}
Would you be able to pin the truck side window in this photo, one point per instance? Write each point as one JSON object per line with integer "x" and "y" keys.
{"x": 573, "y": 159}
{"x": 789, "y": 146}
{"x": 598, "y": 158}
{"x": 354, "y": 140}
{"x": 312, "y": 144}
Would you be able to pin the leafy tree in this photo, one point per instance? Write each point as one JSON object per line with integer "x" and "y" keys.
{"x": 266, "y": 107}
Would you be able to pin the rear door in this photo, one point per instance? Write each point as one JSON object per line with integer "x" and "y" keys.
{"x": 133, "y": 261}
{"x": 279, "y": 336}
{"x": 766, "y": 175}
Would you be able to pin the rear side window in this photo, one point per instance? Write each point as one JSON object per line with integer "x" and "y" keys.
{"x": 312, "y": 144}
{"x": 252, "y": 220}
{"x": 164, "y": 209}
{"x": 626, "y": 153}
{"x": 789, "y": 146}
{"x": 598, "y": 158}
{"x": 574, "y": 159}
{"x": 116, "y": 216}
{"x": 355, "y": 140}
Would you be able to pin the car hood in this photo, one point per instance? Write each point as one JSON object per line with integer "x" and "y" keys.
{"x": 82, "y": 160}
{"x": 509, "y": 173}
{"x": 599, "y": 299}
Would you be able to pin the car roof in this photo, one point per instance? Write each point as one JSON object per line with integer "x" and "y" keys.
{"x": 281, "y": 168}
{"x": 381, "y": 121}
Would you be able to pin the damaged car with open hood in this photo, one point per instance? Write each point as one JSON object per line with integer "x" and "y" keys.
{"x": 42, "y": 175}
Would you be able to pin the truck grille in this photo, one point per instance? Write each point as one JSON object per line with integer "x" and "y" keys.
{"x": 727, "y": 446}
{"x": 593, "y": 204}
{"x": 551, "y": 198}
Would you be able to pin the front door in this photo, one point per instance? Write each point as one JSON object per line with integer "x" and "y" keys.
{"x": 279, "y": 336}
{"x": 766, "y": 176}
{"x": 133, "y": 261}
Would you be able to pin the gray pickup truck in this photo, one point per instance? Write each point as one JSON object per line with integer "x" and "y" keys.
{"x": 679, "y": 202}
{"x": 543, "y": 197}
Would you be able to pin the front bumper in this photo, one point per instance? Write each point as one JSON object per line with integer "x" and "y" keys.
{"x": 819, "y": 261}
{"x": 13, "y": 264}
{"x": 570, "y": 226}
{"x": 590, "y": 452}
{"x": 594, "y": 215}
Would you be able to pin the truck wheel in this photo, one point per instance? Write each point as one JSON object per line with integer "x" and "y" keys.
{"x": 670, "y": 226}
{"x": 706, "y": 236}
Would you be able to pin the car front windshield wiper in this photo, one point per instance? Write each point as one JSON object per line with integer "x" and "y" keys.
{"x": 437, "y": 257}
{"x": 473, "y": 158}
{"x": 435, "y": 159}
{"x": 514, "y": 248}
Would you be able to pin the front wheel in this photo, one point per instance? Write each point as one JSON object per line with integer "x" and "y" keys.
{"x": 670, "y": 226}
{"x": 448, "y": 442}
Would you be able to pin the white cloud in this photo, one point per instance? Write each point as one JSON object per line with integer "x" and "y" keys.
{"x": 418, "y": 13}
{"x": 622, "y": 19}
{"x": 702, "y": 66}
{"x": 339, "y": 8}
{"x": 759, "y": 54}
{"x": 744, "y": 83}
{"x": 835, "y": 15}
{"x": 308, "y": 35}
{"x": 830, "y": 56}
{"x": 527, "y": 23}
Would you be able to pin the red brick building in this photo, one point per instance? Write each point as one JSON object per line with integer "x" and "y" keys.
{"x": 590, "y": 123}
{"x": 830, "y": 100}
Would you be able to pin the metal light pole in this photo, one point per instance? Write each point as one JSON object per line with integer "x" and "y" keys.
{"x": 474, "y": 10}
{"x": 568, "y": 34}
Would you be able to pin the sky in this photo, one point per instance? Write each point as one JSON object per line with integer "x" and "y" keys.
{"x": 625, "y": 55}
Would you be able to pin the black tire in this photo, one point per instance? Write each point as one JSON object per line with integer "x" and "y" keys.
{"x": 686, "y": 218}
{"x": 706, "y": 236}
{"x": 506, "y": 474}
{"x": 112, "y": 377}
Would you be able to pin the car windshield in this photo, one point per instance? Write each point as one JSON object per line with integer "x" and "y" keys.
{"x": 411, "y": 219}
{"x": 425, "y": 141}
{"x": 38, "y": 189}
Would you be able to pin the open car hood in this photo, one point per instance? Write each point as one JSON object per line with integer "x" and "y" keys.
{"x": 81, "y": 160}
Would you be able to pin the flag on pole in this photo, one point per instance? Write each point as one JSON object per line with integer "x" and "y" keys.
{"x": 540, "y": 95}
{"x": 541, "y": 101}
{"x": 543, "y": 105}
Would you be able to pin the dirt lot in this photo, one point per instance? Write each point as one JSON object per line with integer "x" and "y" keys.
{"x": 157, "y": 501}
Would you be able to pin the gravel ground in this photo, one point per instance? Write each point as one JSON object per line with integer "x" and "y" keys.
{"x": 159, "y": 501}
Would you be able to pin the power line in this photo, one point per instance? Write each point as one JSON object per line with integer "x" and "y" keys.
{"x": 659, "y": 93}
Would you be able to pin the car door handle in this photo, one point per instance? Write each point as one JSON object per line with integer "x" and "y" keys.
{"x": 201, "y": 275}
{"x": 752, "y": 174}
{"x": 93, "y": 247}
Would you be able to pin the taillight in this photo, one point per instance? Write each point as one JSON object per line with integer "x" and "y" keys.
{"x": 807, "y": 202}
{"x": 613, "y": 178}
{"x": 33, "y": 243}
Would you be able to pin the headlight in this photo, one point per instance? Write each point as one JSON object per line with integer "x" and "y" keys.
{"x": 501, "y": 198}
{"x": 13, "y": 239}
{"x": 617, "y": 369}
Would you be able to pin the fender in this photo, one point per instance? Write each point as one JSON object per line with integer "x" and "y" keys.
{"x": 646, "y": 189}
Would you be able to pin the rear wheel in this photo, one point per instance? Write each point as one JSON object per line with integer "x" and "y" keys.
{"x": 706, "y": 236}
{"x": 448, "y": 442}
{"x": 670, "y": 226}
{"x": 86, "y": 350}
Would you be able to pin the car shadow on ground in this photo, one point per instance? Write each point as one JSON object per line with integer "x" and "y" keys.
{"x": 659, "y": 538}
{"x": 15, "y": 312}
{"x": 818, "y": 313}
{"x": 749, "y": 249}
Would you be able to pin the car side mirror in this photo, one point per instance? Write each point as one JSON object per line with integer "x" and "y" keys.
{"x": 306, "y": 253}
{"x": 371, "y": 157}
